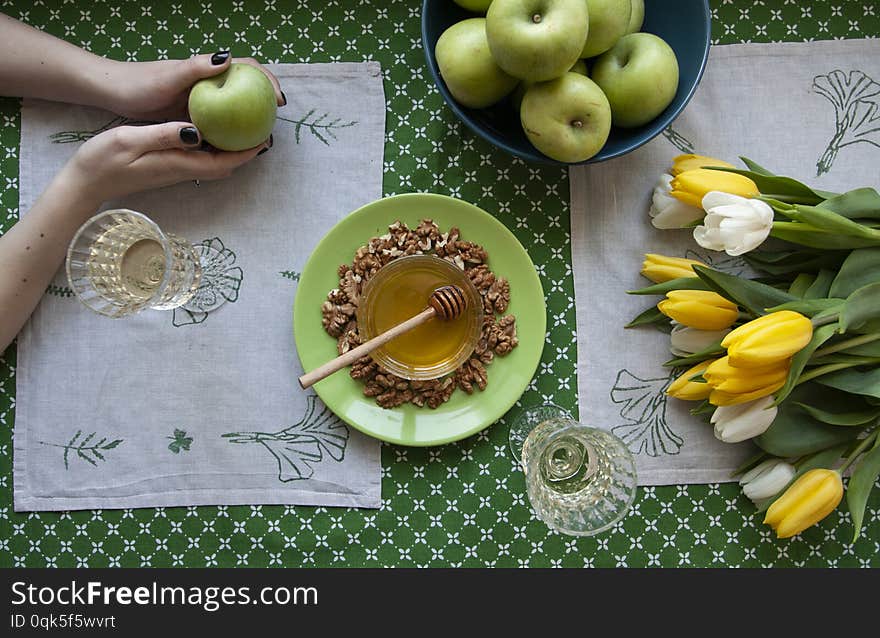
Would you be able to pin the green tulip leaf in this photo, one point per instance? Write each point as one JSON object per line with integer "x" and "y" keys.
{"x": 778, "y": 187}
{"x": 807, "y": 235}
{"x": 861, "y": 482}
{"x": 828, "y": 400}
{"x": 799, "y": 361}
{"x": 709, "y": 352}
{"x": 861, "y": 311}
{"x": 794, "y": 262}
{"x": 860, "y": 268}
{"x": 756, "y": 168}
{"x": 865, "y": 350}
{"x": 810, "y": 307}
{"x": 859, "y": 417}
{"x": 861, "y": 203}
{"x": 821, "y": 285}
{"x": 682, "y": 283}
{"x": 704, "y": 408}
{"x": 651, "y": 316}
{"x": 829, "y": 221}
{"x": 795, "y": 433}
{"x": 854, "y": 381}
{"x": 826, "y": 458}
{"x": 751, "y": 295}
{"x": 750, "y": 463}
{"x": 843, "y": 357}
{"x": 801, "y": 284}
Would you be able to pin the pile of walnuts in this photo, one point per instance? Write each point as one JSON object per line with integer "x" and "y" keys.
{"x": 498, "y": 337}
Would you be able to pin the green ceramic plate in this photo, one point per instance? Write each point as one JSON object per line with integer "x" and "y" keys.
{"x": 464, "y": 414}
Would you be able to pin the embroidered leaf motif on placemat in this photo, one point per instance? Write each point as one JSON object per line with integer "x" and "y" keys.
{"x": 301, "y": 446}
{"x": 68, "y": 137}
{"x": 180, "y": 441}
{"x": 644, "y": 408}
{"x": 856, "y": 100}
{"x": 318, "y": 125}
{"x": 83, "y": 448}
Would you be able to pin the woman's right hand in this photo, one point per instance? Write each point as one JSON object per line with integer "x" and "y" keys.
{"x": 130, "y": 159}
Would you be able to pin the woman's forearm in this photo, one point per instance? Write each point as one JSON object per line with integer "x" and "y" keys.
{"x": 36, "y": 64}
{"x": 33, "y": 249}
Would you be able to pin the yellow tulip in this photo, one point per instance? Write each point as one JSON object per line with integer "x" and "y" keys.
{"x": 701, "y": 309}
{"x": 768, "y": 339}
{"x": 690, "y": 186}
{"x": 689, "y": 162}
{"x": 660, "y": 268}
{"x": 686, "y": 390}
{"x": 731, "y": 386}
{"x": 807, "y": 501}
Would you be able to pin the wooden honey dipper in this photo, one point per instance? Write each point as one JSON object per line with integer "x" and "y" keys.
{"x": 447, "y": 302}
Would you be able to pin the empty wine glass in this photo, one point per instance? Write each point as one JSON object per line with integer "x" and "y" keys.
{"x": 120, "y": 262}
{"x": 580, "y": 480}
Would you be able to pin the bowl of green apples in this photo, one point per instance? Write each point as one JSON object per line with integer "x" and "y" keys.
{"x": 566, "y": 81}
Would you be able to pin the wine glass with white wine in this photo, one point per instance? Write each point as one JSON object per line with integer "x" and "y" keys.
{"x": 580, "y": 480}
{"x": 120, "y": 262}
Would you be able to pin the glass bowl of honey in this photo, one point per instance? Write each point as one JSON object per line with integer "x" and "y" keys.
{"x": 401, "y": 289}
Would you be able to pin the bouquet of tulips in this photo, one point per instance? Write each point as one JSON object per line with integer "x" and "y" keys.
{"x": 788, "y": 359}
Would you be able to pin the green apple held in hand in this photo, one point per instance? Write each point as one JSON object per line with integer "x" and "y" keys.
{"x": 639, "y": 76}
{"x": 235, "y": 110}
{"x": 467, "y": 66}
{"x": 637, "y": 17}
{"x": 516, "y": 97}
{"x": 536, "y": 40}
{"x": 567, "y": 119}
{"x": 609, "y": 20}
{"x": 477, "y": 6}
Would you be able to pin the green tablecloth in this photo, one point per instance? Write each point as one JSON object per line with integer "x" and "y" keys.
{"x": 458, "y": 505}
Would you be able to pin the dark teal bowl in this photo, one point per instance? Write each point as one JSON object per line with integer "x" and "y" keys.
{"x": 684, "y": 24}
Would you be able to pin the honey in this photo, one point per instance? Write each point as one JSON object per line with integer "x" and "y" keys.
{"x": 401, "y": 290}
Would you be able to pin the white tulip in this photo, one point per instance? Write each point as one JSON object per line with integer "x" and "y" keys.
{"x": 735, "y": 423}
{"x": 733, "y": 224}
{"x": 667, "y": 211}
{"x": 684, "y": 340}
{"x": 767, "y": 479}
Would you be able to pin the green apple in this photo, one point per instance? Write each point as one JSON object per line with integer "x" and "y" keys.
{"x": 609, "y": 20}
{"x": 567, "y": 119}
{"x": 235, "y": 110}
{"x": 637, "y": 17}
{"x": 536, "y": 40}
{"x": 516, "y": 97}
{"x": 467, "y": 67}
{"x": 478, "y": 6}
{"x": 639, "y": 76}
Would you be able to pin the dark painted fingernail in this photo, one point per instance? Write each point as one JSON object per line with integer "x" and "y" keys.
{"x": 189, "y": 135}
{"x": 219, "y": 58}
{"x": 206, "y": 147}
{"x": 271, "y": 140}
{"x": 284, "y": 97}
{"x": 263, "y": 151}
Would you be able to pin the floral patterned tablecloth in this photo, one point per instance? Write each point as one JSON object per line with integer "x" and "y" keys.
{"x": 461, "y": 504}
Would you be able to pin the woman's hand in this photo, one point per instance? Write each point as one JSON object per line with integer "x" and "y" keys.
{"x": 129, "y": 159}
{"x": 160, "y": 90}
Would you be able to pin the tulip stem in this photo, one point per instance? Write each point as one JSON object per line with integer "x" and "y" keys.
{"x": 818, "y": 372}
{"x": 852, "y": 360}
{"x": 861, "y": 448}
{"x": 823, "y": 321}
{"x": 848, "y": 343}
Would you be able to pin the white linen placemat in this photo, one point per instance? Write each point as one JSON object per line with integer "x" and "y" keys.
{"x": 803, "y": 110}
{"x": 174, "y": 408}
